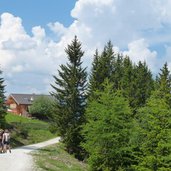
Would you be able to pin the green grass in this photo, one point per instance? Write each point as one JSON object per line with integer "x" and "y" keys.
{"x": 26, "y": 131}
{"x": 55, "y": 158}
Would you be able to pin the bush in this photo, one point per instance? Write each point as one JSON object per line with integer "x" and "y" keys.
{"x": 41, "y": 107}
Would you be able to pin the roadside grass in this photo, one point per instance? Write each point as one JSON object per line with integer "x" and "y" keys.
{"x": 26, "y": 131}
{"x": 54, "y": 158}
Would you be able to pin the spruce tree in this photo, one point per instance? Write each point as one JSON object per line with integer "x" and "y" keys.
{"x": 143, "y": 85}
{"x": 117, "y": 72}
{"x": 127, "y": 79}
{"x": 102, "y": 67}
{"x": 70, "y": 96}
{"x": 2, "y": 102}
{"x": 94, "y": 74}
{"x": 163, "y": 84}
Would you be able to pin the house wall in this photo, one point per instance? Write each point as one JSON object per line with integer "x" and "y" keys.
{"x": 23, "y": 110}
{"x": 13, "y": 107}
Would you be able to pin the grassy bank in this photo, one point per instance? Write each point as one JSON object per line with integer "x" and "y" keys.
{"x": 55, "y": 158}
{"x": 26, "y": 131}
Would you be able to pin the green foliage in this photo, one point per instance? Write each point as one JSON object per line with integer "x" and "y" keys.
{"x": 154, "y": 135}
{"x": 42, "y": 107}
{"x": 70, "y": 97}
{"x": 2, "y": 102}
{"x": 107, "y": 131}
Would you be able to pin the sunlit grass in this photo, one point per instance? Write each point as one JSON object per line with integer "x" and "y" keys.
{"x": 55, "y": 158}
{"x": 26, "y": 131}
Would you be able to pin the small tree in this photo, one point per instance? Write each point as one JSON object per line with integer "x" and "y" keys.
{"x": 154, "y": 135}
{"x": 107, "y": 131}
{"x": 42, "y": 107}
{"x": 2, "y": 102}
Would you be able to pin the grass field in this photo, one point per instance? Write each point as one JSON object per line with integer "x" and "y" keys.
{"x": 55, "y": 158}
{"x": 26, "y": 131}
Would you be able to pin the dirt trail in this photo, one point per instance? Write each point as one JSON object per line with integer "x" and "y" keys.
{"x": 20, "y": 159}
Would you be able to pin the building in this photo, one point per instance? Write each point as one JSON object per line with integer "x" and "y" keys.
{"x": 19, "y": 103}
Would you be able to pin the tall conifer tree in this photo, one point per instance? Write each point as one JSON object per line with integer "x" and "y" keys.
{"x": 117, "y": 72}
{"x": 127, "y": 79}
{"x": 143, "y": 85}
{"x": 165, "y": 80}
{"x": 163, "y": 83}
{"x": 102, "y": 67}
{"x": 70, "y": 94}
{"x": 94, "y": 75}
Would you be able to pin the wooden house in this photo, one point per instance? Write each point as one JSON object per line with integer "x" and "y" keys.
{"x": 19, "y": 103}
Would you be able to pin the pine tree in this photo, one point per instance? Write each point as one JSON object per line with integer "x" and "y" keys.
{"x": 165, "y": 80}
{"x": 163, "y": 83}
{"x": 94, "y": 74}
{"x": 102, "y": 67}
{"x": 117, "y": 72}
{"x": 70, "y": 94}
{"x": 128, "y": 79}
{"x": 143, "y": 85}
{"x": 2, "y": 102}
{"x": 107, "y": 130}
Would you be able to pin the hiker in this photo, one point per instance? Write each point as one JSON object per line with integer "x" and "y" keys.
{"x": 6, "y": 141}
{"x": 1, "y": 143}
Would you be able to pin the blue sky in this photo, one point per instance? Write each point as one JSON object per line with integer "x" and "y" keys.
{"x": 39, "y": 12}
{"x": 33, "y": 35}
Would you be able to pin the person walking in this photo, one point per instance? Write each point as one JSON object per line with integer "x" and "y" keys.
{"x": 1, "y": 142}
{"x": 6, "y": 141}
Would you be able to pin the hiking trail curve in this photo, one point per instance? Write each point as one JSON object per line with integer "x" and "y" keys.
{"x": 20, "y": 159}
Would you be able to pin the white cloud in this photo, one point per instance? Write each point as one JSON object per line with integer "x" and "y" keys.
{"x": 134, "y": 26}
{"x": 21, "y": 53}
{"x": 38, "y": 33}
{"x": 139, "y": 51}
{"x": 120, "y": 21}
{"x": 18, "y": 68}
{"x": 57, "y": 28}
{"x": 5, "y": 59}
{"x": 11, "y": 27}
{"x": 12, "y": 33}
{"x": 20, "y": 49}
{"x": 167, "y": 57}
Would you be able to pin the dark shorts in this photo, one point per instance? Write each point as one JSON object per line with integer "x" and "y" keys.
{"x": 6, "y": 142}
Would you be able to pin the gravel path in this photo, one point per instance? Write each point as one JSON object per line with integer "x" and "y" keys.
{"x": 20, "y": 159}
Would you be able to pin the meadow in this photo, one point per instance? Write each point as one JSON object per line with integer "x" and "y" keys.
{"x": 26, "y": 131}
